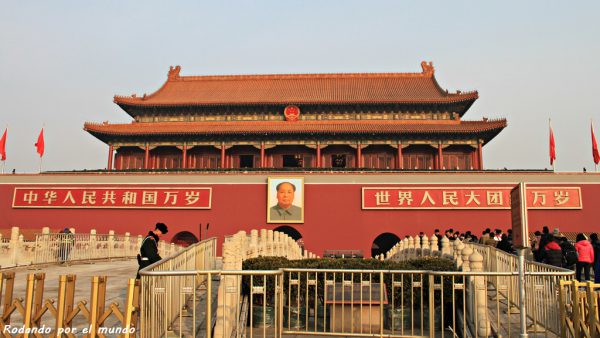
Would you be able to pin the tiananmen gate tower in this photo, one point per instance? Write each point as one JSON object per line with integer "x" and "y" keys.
{"x": 376, "y": 121}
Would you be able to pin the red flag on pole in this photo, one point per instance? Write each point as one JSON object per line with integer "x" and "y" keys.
{"x": 3, "y": 146}
{"x": 552, "y": 147}
{"x": 595, "y": 152}
{"x": 40, "y": 143}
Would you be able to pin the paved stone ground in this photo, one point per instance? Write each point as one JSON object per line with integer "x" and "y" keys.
{"x": 117, "y": 272}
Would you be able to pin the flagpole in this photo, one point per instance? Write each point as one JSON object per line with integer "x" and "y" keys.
{"x": 4, "y": 161}
{"x": 42, "y": 156}
{"x": 595, "y": 164}
{"x": 550, "y": 130}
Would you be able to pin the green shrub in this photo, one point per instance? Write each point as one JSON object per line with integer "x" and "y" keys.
{"x": 406, "y": 290}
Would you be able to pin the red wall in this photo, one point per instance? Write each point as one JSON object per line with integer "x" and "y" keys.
{"x": 333, "y": 215}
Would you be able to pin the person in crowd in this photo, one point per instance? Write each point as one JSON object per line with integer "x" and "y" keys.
{"x": 66, "y": 243}
{"x": 484, "y": 235}
{"x": 596, "y": 245}
{"x": 535, "y": 246}
{"x": 569, "y": 252}
{"x": 551, "y": 254}
{"x": 585, "y": 251}
{"x": 439, "y": 238}
{"x": 505, "y": 245}
{"x": 489, "y": 240}
{"x": 545, "y": 236}
{"x": 474, "y": 238}
{"x": 149, "y": 249}
{"x": 421, "y": 234}
{"x": 498, "y": 235}
{"x": 468, "y": 236}
{"x": 449, "y": 234}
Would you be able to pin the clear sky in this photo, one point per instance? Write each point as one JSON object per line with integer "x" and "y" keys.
{"x": 61, "y": 62}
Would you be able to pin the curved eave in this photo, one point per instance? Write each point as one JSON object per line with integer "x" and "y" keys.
{"x": 139, "y": 102}
{"x": 486, "y": 130}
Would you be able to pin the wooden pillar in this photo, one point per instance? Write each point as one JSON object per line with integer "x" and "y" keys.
{"x": 440, "y": 157}
{"x": 147, "y": 157}
{"x": 318, "y": 155}
{"x": 184, "y": 161}
{"x": 399, "y": 158}
{"x": 110, "y": 157}
{"x": 222, "y": 155}
{"x": 358, "y": 156}
{"x": 479, "y": 155}
{"x": 262, "y": 154}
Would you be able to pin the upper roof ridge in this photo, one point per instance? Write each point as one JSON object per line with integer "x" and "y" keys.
{"x": 335, "y": 88}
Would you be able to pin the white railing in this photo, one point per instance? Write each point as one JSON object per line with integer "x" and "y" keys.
{"x": 542, "y": 281}
{"x": 61, "y": 247}
{"x": 50, "y": 248}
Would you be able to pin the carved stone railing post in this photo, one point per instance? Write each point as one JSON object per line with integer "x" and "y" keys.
{"x": 14, "y": 245}
{"x": 479, "y": 290}
{"x": 434, "y": 245}
{"x": 262, "y": 251}
{"x": 445, "y": 246}
{"x": 253, "y": 243}
{"x": 126, "y": 247}
{"x": 270, "y": 242}
{"x": 111, "y": 243}
{"x": 458, "y": 247}
{"x": 425, "y": 249}
{"x": 466, "y": 252}
{"x": 140, "y": 239}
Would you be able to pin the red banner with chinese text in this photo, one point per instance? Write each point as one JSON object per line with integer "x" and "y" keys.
{"x": 468, "y": 198}
{"x": 111, "y": 197}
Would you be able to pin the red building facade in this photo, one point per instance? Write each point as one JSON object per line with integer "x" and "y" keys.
{"x": 341, "y": 211}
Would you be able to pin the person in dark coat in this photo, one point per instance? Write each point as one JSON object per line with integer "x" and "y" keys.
{"x": 596, "y": 245}
{"x": 149, "y": 249}
{"x": 505, "y": 245}
{"x": 569, "y": 252}
{"x": 552, "y": 253}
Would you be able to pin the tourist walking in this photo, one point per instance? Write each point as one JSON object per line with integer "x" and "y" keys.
{"x": 552, "y": 254}
{"x": 66, "y": 242}
{"x": 149, "y": 249}
{"x": 586, "y": 257}
{"x": 596, "y": 246}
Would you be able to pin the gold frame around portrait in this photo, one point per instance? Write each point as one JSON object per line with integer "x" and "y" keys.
{"x": 272, "y": 182}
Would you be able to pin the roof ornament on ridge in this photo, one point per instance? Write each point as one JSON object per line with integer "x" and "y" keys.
{"x": 427, "y": 68}
{"x": 174, "y": 72}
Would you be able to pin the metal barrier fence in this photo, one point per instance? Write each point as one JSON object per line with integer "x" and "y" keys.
{"x": 61, "y": 247}
{"x": 62, "y": 316}
{"x": 358, "y": 303}
{"x": 579, "y": 304}
{"x": 543, "y": 290}
{"x": 166, "y": 300}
